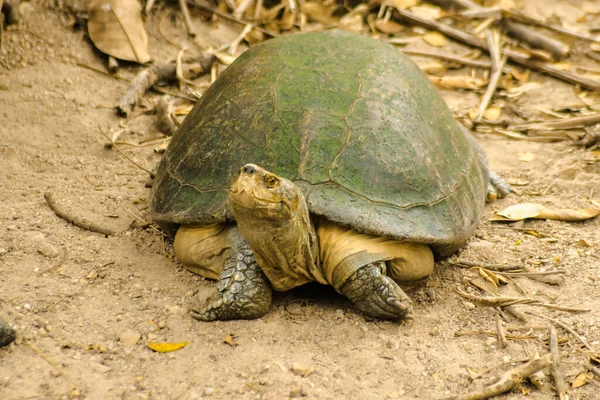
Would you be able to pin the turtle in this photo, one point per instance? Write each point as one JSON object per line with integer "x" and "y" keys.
{"x": 327, "y": 157}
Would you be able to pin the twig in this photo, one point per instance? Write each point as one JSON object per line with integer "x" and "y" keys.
{"x": 558, "y": 49}
{"x": 491, "y": 267}
{"x": 508, "y": 380}
{"x": 556, "y": 28}
{"x": 532, "y": 273}
{"x": 559, "y": 378}
{"x": 516, "y": 313}
{"x": 131, "y": 160}
{"x": 186, "y": 18}
{"x": 569, "y": 123}
{"x": 448, "y": 57}
{"x": 204, "y": 5}
{"x": 521, "y": 32}
{"x": 102, "y": 72}
{"x": 75, "y": 220}
{"x": 162, "y": 72}
{"x": 498, "y": 63}
{"x": 514, "y": 56}
{"x": 509, "y": 301}
{"x": 500, "y": 330}
{"x": 53, "y": 364}
{"x": 493, "y": 367}
{"x": 565, "y": 327}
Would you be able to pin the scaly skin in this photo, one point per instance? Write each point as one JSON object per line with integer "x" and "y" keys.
{"x": 376, "y": 294}
{"x": 243, "y": 291}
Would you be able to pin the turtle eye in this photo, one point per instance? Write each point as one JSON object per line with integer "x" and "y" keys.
{"x": 271, "y": 181}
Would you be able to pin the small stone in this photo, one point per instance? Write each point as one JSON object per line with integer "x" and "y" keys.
{"x": 99, "y": 367}
{"x": 468, "y": 305}
{"x": 11, "y": 228}
{"x": 129, "y": 337}
{"x": 300, "y": 370}
{"x": 208, "y": 391}
{"x": 364, "y": 328}
{"x": 92, "y": 275}
{"x": 47, "y": 250}
{"x": 176, "y": 310}
{"x": 3, "y": 251}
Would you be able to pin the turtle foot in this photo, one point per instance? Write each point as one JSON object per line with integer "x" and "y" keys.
{"x": 376, "y": 294}
{"x": 242, "y": 292}
{"x": 497, "y": 187}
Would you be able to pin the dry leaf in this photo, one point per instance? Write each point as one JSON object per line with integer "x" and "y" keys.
{"x": 230, "y": 340}
{"x": 435, "y": 39}
{"x": 402, "y": 4}
{"x": 533, "y": 210}
{"x": 521, "y": 76}
{"x": 592, "y": 156}
{"x": 117, "y": 29}
{"x": 458, "y": 82}
{"x": 527, "y": 156}
{"x": 388, "y": 27}
{"x": 583, "y": 243}
{"x": 492, "y": 113}
{"x": 595, "y": 46}
{"x": 183, "y": 109}
{"x": 353, "y": 21}
{"x": 166, "y": 347}
{"x": 427, "y": 11}
{"x": 518, "y": 182}
{"x": 582, "y": 379}
{"x": 563, "y": 66}
{"x": 320, "y": 12}
{"x": 436, "y": 68}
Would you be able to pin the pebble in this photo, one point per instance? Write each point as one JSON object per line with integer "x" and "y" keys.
{"x": 468, "y": 305}
{"x": 3, "y": 251}
{"x": 47, "y": 250}
{"x": 99, "y": 367}
{"x": 176, "y": 310}
{"x": 209, "y": 391}
{"x": 129, "y": 337}
{"x": 300, "y": 370}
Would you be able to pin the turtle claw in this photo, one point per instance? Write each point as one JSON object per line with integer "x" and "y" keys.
{"x": 242, "y": 292}
{"x": 497, "y": 187}
{"x": 376, "y": 294}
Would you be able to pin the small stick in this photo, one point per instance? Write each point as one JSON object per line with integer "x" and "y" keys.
{"x": 498, "y": 63}
{"x": 52, "y": 363}
{"x": 558, "y": 49}
{"x": 516, "y": 313}
{"x": 495, "y": 334}
{"x": 565, "y": 327}
{"x": 594, "y": 370}
{"x": 508, "y": 380}
{"x": 559, "y": 378}
{"x": 521, "y": 32}
{"x": 514, "y": 56}
{"x": 500, "y": 330}
{"x": 485, "y": 371}
{"x": 448, "y": 57}
{"x": 552, "y": 27}
{"x": 532, "y": 273}
{"x": 126, "y": 156}
{"x": 569, "y": 123}
{"x": 491, "y": 267}
{"x": 186, "y": 18}
{"x": 509, "y": 301}
{"x": 164, "y": 120}
{"x": 75, "y": 220}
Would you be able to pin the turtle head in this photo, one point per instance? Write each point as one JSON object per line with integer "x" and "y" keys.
{"x": 260, "y": 194}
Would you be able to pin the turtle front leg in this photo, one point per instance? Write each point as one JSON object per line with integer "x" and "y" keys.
{"x": 243, "y": 291}
{"x": 497, "y": 187}
{"x": 376, "y": 294}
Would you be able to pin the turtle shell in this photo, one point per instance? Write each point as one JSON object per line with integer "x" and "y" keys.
{"x": 350, "y": 120}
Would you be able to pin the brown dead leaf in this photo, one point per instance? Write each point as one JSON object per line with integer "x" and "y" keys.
{"x": 534, "y": 210}
{"x": 117, "y": 29}
{"x": 563, "y": 66}
{"x": 320, "y": 12}
{"x": 402, "y": 4}
{"x": 435, "y": 68}
{"x": 582, "y": 379}
{"x": 520, "y": 76}
{"x": 353, "y": 21}
{"x": 592, "y": 156}
{"x": 527, "y": 156}
{"x": 458, "y": 82}
{"x": 388, "y": 27}
{"x": 427, "y": 11}
{"x": 583, "y": 243}
{"x": 230, "y": 340}
{"x": 435, "y": 39}
{"x": 161, "y": 347}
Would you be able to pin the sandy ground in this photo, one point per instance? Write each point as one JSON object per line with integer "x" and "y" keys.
{"x": 85, "y": 305}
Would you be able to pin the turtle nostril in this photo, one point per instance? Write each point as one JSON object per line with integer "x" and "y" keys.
{"x": 249, "y": 169}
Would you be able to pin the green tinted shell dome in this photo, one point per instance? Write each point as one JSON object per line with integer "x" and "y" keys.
{"x": 350, "y": 120}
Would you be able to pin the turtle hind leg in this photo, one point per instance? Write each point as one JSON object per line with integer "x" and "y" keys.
{"x": 243, "y": 291}
{"x": 497, "y": 187}
{"x": 376, "y": 294}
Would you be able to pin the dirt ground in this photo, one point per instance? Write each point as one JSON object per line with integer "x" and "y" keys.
{"x": 85, "y": 305}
